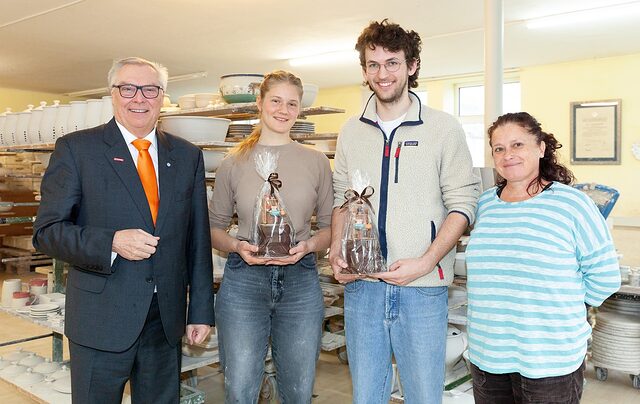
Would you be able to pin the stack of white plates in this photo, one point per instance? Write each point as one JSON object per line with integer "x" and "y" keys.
{"x": 239, "y": 129}
{"x": 303, "y": 127}
{"x": 43, "y": 310}
{"x": 622, "y": 306}
{"x": 616, "y": 341}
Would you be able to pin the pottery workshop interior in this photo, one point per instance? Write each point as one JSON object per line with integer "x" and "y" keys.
{"x": 430, "y": 120}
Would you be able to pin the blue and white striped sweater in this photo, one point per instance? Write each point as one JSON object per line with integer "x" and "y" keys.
{"x": 531, "y": 267}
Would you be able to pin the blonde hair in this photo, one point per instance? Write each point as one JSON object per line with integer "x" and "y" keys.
{"x": 271, "y": 79}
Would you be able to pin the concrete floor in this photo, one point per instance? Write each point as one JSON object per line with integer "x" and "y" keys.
{"x": 333, "y": 383}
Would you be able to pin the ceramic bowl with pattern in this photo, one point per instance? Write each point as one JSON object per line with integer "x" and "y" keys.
{"x": 240, "y": 87}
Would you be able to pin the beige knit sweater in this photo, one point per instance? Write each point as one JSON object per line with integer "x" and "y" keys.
{"x": 426, "y": 176}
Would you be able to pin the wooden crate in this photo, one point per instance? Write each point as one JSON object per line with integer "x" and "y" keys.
{"x": 21, "y": 242}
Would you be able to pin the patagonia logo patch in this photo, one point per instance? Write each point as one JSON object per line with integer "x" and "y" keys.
{"x": 410, "y": 142}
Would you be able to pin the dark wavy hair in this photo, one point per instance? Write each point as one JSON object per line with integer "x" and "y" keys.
{"x": 393, "y": 38}
{"x": 550, "y": 169}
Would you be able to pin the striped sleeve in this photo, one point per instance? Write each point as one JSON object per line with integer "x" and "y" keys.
{"x": 596, "y": 254}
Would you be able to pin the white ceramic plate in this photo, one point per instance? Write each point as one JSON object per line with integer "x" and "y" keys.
{"x": 45, "y": 307}
{"x": 63, "y": 385}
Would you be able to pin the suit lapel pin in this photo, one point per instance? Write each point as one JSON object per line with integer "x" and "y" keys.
{"x": 118, "y": 159}
{"x": 168, "y": 164}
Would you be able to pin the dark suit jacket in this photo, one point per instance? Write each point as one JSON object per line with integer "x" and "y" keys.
{"x": 90, "y": 190}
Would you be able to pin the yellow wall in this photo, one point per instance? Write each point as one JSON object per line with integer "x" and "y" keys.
{"x": 18, "y": 100}
{"x": 348, "y": 98}
{"x": 547, "y": 92}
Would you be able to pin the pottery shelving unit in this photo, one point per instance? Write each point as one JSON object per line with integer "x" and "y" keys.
{"x": 244, "y": 111}
{"x": 249, "y": 111}
{"x": 241, "y": 111}
{"x": 333, "y": 337}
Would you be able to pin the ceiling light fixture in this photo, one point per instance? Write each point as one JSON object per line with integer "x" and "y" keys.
{"x": 585, "y": 16}
{"x": 38, "y": 14}
{"x": 337, "y": 57}
{"x": 105, "y": 90}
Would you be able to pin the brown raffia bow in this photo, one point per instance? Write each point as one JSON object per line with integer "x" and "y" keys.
{"x": 353, "y": 196}
{"x": 274, "y": 182}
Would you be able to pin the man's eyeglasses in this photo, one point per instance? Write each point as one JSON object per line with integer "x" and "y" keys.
{"x": 391, "y": 66}
{"x": 130, "y": 90}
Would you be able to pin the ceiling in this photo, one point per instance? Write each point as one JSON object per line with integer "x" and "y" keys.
{"x": 63, "y": 46}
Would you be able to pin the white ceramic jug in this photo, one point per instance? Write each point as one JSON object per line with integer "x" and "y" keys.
{"x": 8, "y": 287}
{"x": 48, "y": 124}
{"x": 41, "y": 107}
{"x": 107, "y": 109}
{"x": 62, "y": 121}
{"x": 77, "y": 116}
{"x": 33, "y": 131}
{"x": 10, "y": 126}
{"x": 94, "y": 111}
{"x": 21, "y": 135}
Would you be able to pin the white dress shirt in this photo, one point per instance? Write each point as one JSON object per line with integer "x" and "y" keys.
{"x": 153, "y": 152}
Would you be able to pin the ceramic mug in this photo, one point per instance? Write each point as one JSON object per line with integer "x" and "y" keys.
{"x": 38, "y": 290}
{"x": 21, "y": 299}
{"x": 38, "y": 286}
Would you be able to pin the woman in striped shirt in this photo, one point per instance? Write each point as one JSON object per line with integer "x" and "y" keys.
{"x": 539, "y": 251}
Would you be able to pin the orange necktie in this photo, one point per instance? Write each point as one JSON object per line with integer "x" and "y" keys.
{"x": 147, "y": 176}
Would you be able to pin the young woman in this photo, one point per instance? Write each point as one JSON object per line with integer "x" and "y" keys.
{"x": 271, "y": 300}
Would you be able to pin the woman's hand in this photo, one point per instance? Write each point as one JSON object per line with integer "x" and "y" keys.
{"x": 295, "y": 254}
{"x": 246, "y": 251}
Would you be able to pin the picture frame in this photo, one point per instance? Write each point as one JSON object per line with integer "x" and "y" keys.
{"x": 596, "y": 132}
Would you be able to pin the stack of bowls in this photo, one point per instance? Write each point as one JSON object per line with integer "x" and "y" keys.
{"x": 208, "y": 100}
{"x": 187, "y": 101}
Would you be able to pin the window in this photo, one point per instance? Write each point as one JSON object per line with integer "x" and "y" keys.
{"x": 470, "y": 110}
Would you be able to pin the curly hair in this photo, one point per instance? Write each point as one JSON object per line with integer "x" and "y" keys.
{"x": 550, "y": 169}
{"x": 393, "y": 38}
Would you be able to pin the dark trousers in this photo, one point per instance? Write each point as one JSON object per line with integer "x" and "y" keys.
{"x": 151, "y": 364}
{"x": 513, "y": 388}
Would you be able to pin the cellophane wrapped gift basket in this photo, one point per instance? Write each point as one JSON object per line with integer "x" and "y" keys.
{"x": 360, "y": 241}
{"x": 271, "y": 227}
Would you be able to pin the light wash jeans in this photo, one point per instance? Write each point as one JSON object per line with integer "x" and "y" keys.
{"x": 259, "y": 303}
{"x": 409, "y": 323}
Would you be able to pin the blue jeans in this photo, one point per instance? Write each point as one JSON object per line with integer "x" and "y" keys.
{"x": 409, "y": 323}
{"x": 257, "y": 302}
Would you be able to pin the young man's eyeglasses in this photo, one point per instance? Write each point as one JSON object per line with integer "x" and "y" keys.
{"x": 391, "y": 66}
{"x": 130, "y": 90}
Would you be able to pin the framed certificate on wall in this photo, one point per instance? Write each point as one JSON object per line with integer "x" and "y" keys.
{"x": 595, "y": 132}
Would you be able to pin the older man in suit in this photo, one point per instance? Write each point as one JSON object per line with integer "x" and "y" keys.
{"x": 125, "y": 205}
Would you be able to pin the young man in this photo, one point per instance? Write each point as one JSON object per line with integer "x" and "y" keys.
{"x": 425, "y": 197}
